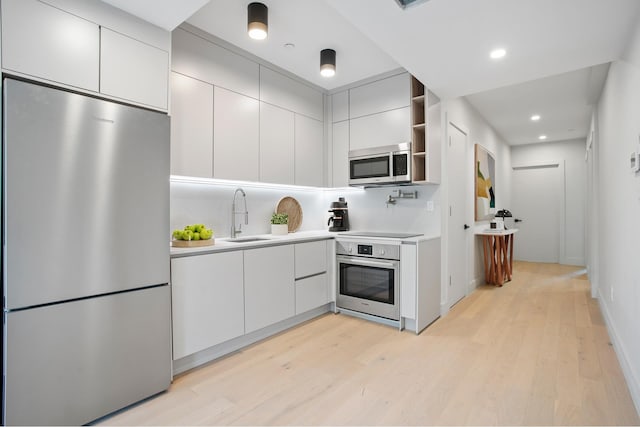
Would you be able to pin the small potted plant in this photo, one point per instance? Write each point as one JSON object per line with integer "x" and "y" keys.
{"x": 279, "y": 223}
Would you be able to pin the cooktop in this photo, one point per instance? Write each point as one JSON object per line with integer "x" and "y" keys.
{"x": 390, "y": 235}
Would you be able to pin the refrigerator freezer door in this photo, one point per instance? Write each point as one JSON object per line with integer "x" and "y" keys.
{"x": 72, "y": 363}
{"x": 86, "y": 186}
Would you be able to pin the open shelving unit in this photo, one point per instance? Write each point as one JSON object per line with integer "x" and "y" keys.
{"x": 425, "y": 134}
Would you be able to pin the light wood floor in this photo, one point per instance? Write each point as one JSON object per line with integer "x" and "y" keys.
{"x": 534, "y": 352}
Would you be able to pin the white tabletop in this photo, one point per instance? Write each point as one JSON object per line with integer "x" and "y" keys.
{"x": 490, "y": 232}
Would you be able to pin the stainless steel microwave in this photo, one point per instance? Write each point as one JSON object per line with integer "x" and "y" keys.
{"x": 381, "y": 165}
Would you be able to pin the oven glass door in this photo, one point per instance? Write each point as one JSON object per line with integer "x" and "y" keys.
{"x": 368, "y": 282}
{"x": 369, "y": 285}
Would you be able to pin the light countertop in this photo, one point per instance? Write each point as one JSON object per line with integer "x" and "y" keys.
{"x": 224, "y": 245}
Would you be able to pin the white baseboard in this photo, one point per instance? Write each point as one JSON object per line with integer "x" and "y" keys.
{"x": 444, "y": 308}
{"x": 633, "y": 382}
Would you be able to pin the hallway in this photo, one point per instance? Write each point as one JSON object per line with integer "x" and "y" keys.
{"x": 534, "y": 352}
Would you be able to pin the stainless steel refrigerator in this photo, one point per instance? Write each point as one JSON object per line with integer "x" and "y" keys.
{"x": 85, "y": 259}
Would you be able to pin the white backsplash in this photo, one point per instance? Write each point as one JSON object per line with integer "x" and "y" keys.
{"x": 210, "y": 204}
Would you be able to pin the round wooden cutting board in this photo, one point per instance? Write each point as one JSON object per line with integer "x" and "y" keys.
{"x": 291, "y": 207}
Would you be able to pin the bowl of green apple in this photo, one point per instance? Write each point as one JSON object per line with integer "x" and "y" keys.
{"x": 193, "y": 235}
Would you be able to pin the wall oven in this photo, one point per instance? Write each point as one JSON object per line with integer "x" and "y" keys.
{"x": 369, "y": 278}
{"x": 381, "y": 165}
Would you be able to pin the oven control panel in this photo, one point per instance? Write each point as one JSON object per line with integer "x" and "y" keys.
{"x": 368, "y": 250}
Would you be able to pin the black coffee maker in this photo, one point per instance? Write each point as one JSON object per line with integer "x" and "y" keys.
{"x": 340, "y": 219}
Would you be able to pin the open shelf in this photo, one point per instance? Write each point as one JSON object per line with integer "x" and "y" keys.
{"x": 425, "y": 134}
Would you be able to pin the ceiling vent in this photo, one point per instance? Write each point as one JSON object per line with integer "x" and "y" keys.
{"x": 407, "y": 3}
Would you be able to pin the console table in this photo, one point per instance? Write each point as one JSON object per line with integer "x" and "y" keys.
{"x": 498, "y": 255}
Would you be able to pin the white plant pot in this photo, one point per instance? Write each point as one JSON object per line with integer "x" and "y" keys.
{"x": 279, "y": 229}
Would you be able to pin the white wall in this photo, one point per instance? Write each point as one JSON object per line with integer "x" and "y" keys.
{"x": 618, "y": 128}
{"x": 461, "y": 113}
{"x": 573, "y": 154}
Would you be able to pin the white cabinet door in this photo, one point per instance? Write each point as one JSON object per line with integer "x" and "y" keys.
{"x": 311, "y": 293}
{"x": 276, "y": 145}
{"x": 269, "y": 286}
{"x": 383, "y": 95}
{"x": 42, "y": 41}
{"x": 340, "y": 106}
{"x": 133, "y": 70}
{"x": 236, "y": 130}
{"x": 311, "y": 258}
{"x": 207, "y": 301}
{"x": 340, "y": 154}
{"x": 377, "y": 130}
{"x": 206, "y": 61}
{"x": 191, "y": 127}
{"x": 309, "y": 152}
{"x": 280, "y": 90}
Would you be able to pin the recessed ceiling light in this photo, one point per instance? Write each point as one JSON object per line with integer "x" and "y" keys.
{"x": 535, "y": 117}
{"x": 289, "y": 45}
{"x": 498, "y": 53}
{"x": 542, "y": 137}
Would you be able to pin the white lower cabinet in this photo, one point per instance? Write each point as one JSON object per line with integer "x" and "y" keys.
{"x": 311, "y": 292}
{"x": 207, "y": 301}
{"x": 269, "y": 286}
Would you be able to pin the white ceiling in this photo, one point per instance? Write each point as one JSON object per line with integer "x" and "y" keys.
{"x": 167, "y": 14}
{"x": 564, "y": 103}
{"x": 445, "y": 43}
{"x": 309, "y": 24}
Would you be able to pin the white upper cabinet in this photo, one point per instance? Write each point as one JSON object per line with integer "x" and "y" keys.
{"x": 133, "y": 70}
{"x": 377, "y": 130}
{"x": 276, "y": 145}
{"x": 340, "y": 106}
{"x": 42, "y": 41}
{"x": 206, "y": 61}
{"x": 382, "y": 95}
{"x": 191, "y": 127}
{"x": 235, "y": 136}
{"x": 309, "y": 151}
{"x": 280, "y": 90}
{"x": 340, "y": 154}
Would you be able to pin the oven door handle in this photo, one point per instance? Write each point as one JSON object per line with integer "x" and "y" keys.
{"x": 368, "y": 263}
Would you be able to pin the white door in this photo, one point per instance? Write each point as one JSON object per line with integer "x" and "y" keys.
{"x": 537, "y": 211}
{"x": 458, "y": 198}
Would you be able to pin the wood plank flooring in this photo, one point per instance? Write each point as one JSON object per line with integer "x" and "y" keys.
{"x": 534, "y": 352}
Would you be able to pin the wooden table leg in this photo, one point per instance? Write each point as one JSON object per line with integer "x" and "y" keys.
{"x": 500, "y": 271}
{"x": 486, "y": 247}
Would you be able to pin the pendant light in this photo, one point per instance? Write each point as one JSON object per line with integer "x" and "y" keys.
{"x": 328, "y": 62}
{"x": 258, "y": 20}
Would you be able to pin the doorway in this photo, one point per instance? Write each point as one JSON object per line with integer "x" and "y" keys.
{"x": 538, "y": 211}
{"x": 457, "y": 229}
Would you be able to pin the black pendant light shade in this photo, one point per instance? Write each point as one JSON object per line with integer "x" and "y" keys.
{"x": 328, "y": 62}
{"x": 257, "y": 20}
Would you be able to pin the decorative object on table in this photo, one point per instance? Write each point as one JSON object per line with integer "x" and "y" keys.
{"x": 194, "y": 235}
{"x": 496, "y": 225}
{"x": 279, "y": 223}
{"x": 485, "y": 178}
{"x": 339, "y": 221}
{"x": 503, "y": 213}
{"x": 292, "y": 208}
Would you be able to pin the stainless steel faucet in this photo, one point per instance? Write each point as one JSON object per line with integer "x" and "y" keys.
{"x": 235, "y": 232}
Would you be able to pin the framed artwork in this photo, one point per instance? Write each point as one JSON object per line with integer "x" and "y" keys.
{"x": 485, "y": 178}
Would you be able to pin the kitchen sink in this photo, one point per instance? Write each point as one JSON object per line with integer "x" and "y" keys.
{"x": 247, "y": 239}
